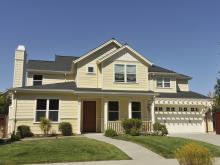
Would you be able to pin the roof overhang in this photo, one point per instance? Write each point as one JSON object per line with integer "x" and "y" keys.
{"x": 96, "y": 49}
{"x": 171, "y": 74}
{"x": 123, "y": 48}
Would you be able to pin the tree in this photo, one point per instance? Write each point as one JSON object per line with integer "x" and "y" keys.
{"x": 216, "y": 105}
{"x": 5, "y": 101}
{"x": 45, "y": 125}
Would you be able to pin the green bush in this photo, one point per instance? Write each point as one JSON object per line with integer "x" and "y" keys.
{"x": 45, "y": 125}
{"x": 15, "y": 136}
{"x": 132, "y": 126}
{"x": 24, "y": 131}
{"x": 194, "y": 154}
{"x": 110, "y": 133}
{"x": 65, "y": 128}
{"x": 160, "y": 129}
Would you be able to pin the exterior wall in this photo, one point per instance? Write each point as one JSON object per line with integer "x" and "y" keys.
{"x": 85, "y": 79}
{"x": 26, "y": 108}
{"x": 153, "y": 84}
{"x": 108, "y": 73}
{"x": 50, "y": 78}
{"x": 19, "y": 68}
{"x": 182, "y": 85}
{"x": 181, "y": 122}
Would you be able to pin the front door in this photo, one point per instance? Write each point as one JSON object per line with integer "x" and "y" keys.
{"x": 89, "y": 116}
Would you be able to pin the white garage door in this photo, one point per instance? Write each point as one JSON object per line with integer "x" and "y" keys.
{"x": 184, "y": 122}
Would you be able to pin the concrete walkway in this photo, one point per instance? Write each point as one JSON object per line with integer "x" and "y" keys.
{"x": 211, "y": 138}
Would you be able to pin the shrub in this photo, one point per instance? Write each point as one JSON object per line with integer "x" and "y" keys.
{"x": 160, "y": 129}
{"x": 15, "y": 136}
{"x": 24, "y": 131}
{"x": 65, "y": 128}
{"x": 194, "y": 154}
{"x": 132, "y": 126}
{"x": 45, "y": 125}
{"x": 110, "y": 133}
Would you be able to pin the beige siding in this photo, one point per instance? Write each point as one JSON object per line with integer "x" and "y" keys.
{"x": 50, "y": 78}
{"x": 91, "y": 80}
{"x": 19, "y": 68}
{"x": 26, "y": 107}
{"x": 153, "y": 84}
{"x": 182, "y": 85}
{"x": 108, "y": 74}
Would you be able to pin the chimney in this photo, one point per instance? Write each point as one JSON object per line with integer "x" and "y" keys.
{"x": 20, "y": 67}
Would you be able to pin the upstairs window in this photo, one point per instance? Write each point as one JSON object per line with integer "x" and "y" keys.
{"x": 125, "y": 73}
{"x": 163, "y": 82}
{"x": 136, "y": 110}
{"x": 131, "y": 73}
{"x": 119, "y": 73}
{"x": 37, "y": 79}
{"x": 90, "y": 69}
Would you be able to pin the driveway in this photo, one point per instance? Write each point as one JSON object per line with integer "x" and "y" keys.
{"x": 206, "y": 137}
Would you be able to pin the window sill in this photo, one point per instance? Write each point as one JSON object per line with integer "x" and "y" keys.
{"x": 164, "y": 88}
{"x": 91, "y": 73}
{"x": 35, "y": 122}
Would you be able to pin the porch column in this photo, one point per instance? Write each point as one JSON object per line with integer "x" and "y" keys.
{"x": 105, "y": 114}
{"x": 79, "y": 116}
{"x": 152, "y": 112}
{"x": 129, "y": 110}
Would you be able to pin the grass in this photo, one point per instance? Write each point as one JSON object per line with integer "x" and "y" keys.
{"x": 167, "y": 146}
{"x": 72, "y": 149}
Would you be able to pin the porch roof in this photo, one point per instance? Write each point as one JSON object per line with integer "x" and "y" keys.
{"x": 184, "y": 94}
{"x": 71, "y": 87}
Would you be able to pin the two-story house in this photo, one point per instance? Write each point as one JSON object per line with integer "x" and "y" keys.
{"x": 101, "y": 88}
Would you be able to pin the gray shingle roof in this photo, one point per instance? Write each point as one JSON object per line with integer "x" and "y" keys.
{"x": 184, "y": 94}
{"x": 61, "y": 63}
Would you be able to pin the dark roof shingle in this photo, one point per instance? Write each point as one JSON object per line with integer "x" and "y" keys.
{"x": 184, "y": 94}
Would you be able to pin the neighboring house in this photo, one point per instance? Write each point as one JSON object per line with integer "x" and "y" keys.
{"x": 101, "y": 88}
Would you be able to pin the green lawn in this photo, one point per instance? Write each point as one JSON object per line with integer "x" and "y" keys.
{"x": 70, "y": 149}
{"x": 166, "y": 146}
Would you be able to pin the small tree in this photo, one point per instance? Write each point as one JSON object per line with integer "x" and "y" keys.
{"x": 45, "y": 125}
{"x": 5, "y": 101}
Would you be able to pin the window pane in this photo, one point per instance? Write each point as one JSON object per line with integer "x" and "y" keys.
{"x": 113, "y": 106}
{"x": 113, "y": 116}
{"x": 40, "y": 114}
{"x": 119, "y": 77}
{"x": 131, "y": 77}
{"x": 53, "y": 115}
{"x": 54, "y": 104}
{"x": 37, "y": 77}
{"x": 159, "y": 82}
{"x": 119, "y": 68}
{"x": 37, "y": 82}
{"x": 166, "y": 80}
{"x": 136, "y": 115}
{"x": 131, "y": 69}
{"x": 41, "y": 104}
{"x": 167, "y": 85}
{"x": 136, "y": 106}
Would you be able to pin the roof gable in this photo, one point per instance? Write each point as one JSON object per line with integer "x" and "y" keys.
{"x": 127, "y": 48}
{"x": 112, "y": 41}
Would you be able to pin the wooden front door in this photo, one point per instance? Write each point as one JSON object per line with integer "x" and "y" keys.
{"x": 89, "y": 116}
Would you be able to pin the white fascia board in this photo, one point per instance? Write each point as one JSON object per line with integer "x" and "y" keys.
{"x": 98, "y": 48}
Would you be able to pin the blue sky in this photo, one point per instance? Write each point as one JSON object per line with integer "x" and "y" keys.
{"x": 179, "y": 35}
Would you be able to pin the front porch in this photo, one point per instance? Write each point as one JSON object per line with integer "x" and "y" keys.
{"x": 97, "y": 114}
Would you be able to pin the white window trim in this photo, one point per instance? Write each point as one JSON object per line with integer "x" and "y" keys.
{"x": 163, "y": 82}
{"x": 47, "y": 109}
{"x": 87, "y": 69}
{"x": 125, "y": 74}
{"x": 37, "y": 80}
{"x": 114, "y": 111}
